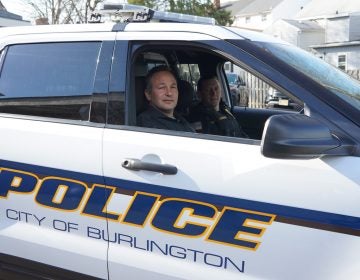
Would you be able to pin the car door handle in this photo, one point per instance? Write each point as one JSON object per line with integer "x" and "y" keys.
{"x": 137, "y": 165}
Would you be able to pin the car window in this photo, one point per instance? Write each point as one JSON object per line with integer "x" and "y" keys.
{"x": 189, "y": 72}
{"x": 248, "y": 90}
{"x": 332, "y": 78}
{"x": 239, "y": 88}
{"x": 49, "y": 80}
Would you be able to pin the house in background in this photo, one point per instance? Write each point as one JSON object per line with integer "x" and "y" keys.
{"x": 261, "y": 14}
{"x": 341, "y": 22}
{"x": 301, "y": 33}
{"x": 10, "y": 19}
{"x": 342, "y": 42}
{"x": 235, "y": 7}
{"x": 329, "y": 29}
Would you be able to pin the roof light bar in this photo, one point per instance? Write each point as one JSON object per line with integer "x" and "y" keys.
{"x": 120, "y": 13}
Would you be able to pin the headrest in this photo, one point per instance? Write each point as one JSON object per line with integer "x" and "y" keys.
{"x": 141, "y": 102}
{"x": 140, "y": 70}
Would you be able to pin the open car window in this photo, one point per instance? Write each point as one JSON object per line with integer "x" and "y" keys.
{"x": 240, "y": 88}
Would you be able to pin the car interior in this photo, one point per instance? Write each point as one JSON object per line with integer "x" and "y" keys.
{"x": 189, "y": 64}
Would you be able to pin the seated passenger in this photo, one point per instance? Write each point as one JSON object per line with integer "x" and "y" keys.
{"x": 162, "y": 93}
{"x": 211, "y": 115}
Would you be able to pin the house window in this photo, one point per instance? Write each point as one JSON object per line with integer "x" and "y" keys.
{"x": 247, "y": 20}
{"x": 263, "y": 17}
{"x": 342, "y": 61}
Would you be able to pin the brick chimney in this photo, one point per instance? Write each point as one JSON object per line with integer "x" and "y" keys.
{"x": 42, "y": 21}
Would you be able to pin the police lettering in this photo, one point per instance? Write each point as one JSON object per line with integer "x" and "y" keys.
{"x": 174, "y": 209}
{"x": 188, "y": 218}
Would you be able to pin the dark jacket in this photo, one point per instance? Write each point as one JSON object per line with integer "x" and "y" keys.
{"x": 207, "y": 120}
{"x": 153, "y": 118}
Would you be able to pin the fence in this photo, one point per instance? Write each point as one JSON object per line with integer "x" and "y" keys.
{"x": 257, "y": 89}
{"x": 354, "y": 73}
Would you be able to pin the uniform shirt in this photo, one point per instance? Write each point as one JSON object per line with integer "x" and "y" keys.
{"x": 153, "y": 118}
{"x": 207, "y": 120}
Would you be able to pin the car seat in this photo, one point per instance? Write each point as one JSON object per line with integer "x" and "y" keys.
{"x": 186, "y": 97}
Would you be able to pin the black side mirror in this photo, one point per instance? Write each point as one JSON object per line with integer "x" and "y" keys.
{"x": 295, "y": 136}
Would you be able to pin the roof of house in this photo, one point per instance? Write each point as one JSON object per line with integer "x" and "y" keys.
{"x": 8, "y": 15}
{"x": 320, "y": 8}
{"x": 335, "y": 45}
{"x": 305, "y": 25}
{"x": 257, "y": 7}
{"x": 234, "y": 7}
{"x": 5, "y": 14}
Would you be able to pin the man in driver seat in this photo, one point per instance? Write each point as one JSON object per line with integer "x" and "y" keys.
{"x": 162, "y": 94}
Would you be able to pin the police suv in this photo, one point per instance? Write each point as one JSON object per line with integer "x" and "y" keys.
{"x": 86, "y": 194}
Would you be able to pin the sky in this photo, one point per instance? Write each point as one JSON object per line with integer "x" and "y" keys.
{"x": 18, "y": 7}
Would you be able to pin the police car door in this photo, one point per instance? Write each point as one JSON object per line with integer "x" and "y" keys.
{"x": 50, "y": 170}
{"x": 189, "y": 206}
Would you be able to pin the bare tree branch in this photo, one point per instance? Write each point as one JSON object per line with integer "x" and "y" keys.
{"x": 63, "y": 11}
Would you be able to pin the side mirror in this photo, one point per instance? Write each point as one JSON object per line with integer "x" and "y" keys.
{"x": 295, "y": 136}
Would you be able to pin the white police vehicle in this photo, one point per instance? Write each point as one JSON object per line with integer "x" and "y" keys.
{"x": 86, "y": 194}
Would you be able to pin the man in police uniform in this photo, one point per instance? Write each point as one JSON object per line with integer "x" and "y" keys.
{"x": 162, "y": 93}
{"x": 211, "y": 115}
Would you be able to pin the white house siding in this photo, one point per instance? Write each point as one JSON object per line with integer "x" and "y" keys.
{"x": 353, "y": 58}
{"x": 290, "y": 34}
{"x": 323, "y": 8}
{"x": 11, "y": 22}
{"x": 354, "y": 30}
{"x": 331, "y": 55}
{"x": 255, "y": 10}
{"x": 299, "y": 33}
{"x": 287, "y": 9}
{"x": 253, "y": 22}
{"x": 311, "y": 38}
{"x": 337, "y": 30}
{"x": 284, "y": 31}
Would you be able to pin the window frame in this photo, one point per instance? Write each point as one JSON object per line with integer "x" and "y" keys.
{"x": 99, "y": 88}
{"x": 217, "y": 47}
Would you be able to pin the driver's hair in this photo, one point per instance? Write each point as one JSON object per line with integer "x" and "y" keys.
{"x": 152, "y": 72}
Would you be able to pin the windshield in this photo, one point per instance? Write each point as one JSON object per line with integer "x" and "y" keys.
{"x": 330, "y": 77}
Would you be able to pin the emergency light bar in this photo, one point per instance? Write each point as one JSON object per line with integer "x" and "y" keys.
{"x": 134, "y": 13}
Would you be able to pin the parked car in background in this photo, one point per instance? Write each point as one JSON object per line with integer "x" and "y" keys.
{"x": 238, "y": 90}
{"x": 277, "y": 99}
